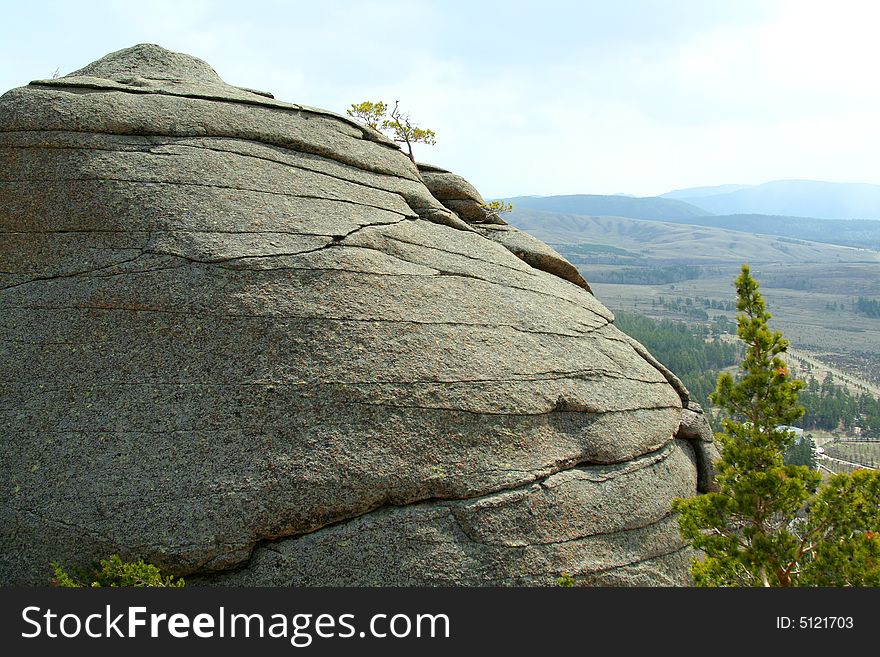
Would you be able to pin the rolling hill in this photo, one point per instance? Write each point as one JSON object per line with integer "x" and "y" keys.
{"x": 863, "y": 233}
{"x": 633, "y": 239}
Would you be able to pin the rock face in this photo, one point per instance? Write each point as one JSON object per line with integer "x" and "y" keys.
{"x": 459, "y": 196}
{"x": 248, "y": 341}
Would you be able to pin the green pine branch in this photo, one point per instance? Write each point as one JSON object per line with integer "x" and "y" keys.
{"x": 772, "y": 524}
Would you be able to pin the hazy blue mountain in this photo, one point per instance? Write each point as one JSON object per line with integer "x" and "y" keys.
{"x": 701, "y": 192}
{"x": 652, "y": 208}
{"x": 802, "y": 198}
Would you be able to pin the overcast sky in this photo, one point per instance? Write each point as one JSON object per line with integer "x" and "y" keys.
{"x": 546, "y": 97}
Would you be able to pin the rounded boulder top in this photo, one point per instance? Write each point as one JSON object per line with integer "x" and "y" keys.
{"x": 151, "y": 62}
{"x": 253, "y": 343}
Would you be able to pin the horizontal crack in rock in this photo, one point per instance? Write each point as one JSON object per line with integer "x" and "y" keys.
{"x": 208, "y": 185}
{"x": 641, "y": 461}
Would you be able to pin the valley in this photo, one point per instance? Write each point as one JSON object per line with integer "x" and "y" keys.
{"x": 663, "y": 269}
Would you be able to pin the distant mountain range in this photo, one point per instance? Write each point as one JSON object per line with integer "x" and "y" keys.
{"x": 800, "y": 198}
{"x": 799, "y": 209}
{"x": 653, "y": 208}
{"x": 702, "y": 192}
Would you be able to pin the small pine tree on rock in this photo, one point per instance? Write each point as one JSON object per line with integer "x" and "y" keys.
{"x": 395, "y": 124}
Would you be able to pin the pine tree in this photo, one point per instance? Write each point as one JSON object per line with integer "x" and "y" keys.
{"x": 769, "y": 524}
{"x": 801, "y": 452}
{"x": 396, "y": 124}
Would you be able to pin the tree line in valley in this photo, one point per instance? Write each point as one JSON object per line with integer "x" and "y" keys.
{"x": 643, "y": 275}
{"x": 697, "y": 358}
{"x": 863, "y": 305}
{"x": 868, "y": 307}
{"x": 694, "y": 360}
{"x": 831, "y": 407}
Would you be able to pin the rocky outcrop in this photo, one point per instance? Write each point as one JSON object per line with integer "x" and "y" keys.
{"x": 248, "y": 341}
{"x": 459, "y": 196}
{"x": 695, "y": 429}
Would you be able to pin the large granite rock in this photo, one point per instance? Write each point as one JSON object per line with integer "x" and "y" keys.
{"x": 244, "y": 340}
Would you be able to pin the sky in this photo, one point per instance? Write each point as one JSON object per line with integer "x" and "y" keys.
{"x": 532, "y": 98}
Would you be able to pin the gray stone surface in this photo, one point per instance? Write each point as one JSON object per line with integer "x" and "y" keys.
{"x": 459, "y": 196}
{"x": 610, "y": 525}
{"x": 695, "y": 428}
{"x": 534, "y": 252}
{"x": 237, "y": 332}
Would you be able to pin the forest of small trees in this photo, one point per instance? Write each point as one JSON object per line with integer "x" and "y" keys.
{"x": 830, "y": 407}
{"x": 694, "y": 360}
{"x": 645, "y": 275}
{"x": 697, "y": 359}
{"x": 869, "y": 307}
